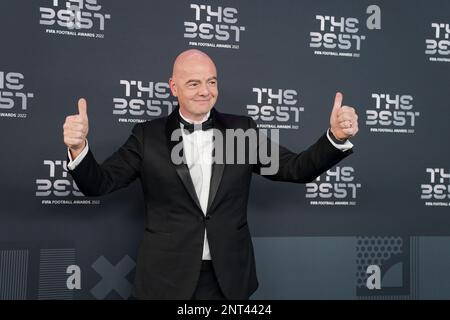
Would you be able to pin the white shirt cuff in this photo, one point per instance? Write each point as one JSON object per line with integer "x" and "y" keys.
{"x": 343, "y": 147}
{"x": 74, "y": 163}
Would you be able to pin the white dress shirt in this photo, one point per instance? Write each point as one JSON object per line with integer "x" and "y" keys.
{"x": 198, "y": 148}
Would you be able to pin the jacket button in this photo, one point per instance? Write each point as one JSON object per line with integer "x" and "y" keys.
{"x": 207, "y": 217}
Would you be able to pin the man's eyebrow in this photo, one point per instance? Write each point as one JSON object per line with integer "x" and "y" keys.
{"x": 197, "y": 81}
{"x": 192, "y": 80}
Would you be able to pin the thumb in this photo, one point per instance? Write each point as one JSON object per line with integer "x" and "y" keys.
{"x": 82, "y": 108}
{"x": 337, "y": 104}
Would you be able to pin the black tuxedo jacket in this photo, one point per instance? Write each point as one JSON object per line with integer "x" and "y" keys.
{"x": 169, "y": 257}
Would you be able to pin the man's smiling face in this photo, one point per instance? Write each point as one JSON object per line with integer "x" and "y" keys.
{"x": 194, "y": 83}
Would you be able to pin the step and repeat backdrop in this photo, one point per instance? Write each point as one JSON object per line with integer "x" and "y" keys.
{"x": 376, "y": 226}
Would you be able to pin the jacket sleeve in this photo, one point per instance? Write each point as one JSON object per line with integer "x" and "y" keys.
{"x": 300, "y": 167}
{"x": 116, "y": 172}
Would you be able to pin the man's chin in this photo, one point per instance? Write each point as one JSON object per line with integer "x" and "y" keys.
{"x": 203, "y": 109}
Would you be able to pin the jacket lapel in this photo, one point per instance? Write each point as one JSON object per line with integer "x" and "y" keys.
{"x": 182, "y": 169}
{"x": 217, "y": 168}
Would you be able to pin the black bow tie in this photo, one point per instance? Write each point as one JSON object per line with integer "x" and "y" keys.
{"x": 190, "y": 127}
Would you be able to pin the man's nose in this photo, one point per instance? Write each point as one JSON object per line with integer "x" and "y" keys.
{"x": 203, "y": 90}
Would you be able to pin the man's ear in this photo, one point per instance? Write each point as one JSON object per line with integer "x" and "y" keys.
{"x": 173, "y": 87}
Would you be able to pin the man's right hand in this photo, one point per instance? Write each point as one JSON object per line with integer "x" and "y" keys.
{"x": 76, "y": 128}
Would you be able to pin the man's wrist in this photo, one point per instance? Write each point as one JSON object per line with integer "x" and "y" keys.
{"x": 74, "y": 161}
{"x": 333, "y": 137}
{"x": 76, "y": 152}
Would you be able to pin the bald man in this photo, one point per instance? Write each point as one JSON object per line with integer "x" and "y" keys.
{"x": 196, "y": 243}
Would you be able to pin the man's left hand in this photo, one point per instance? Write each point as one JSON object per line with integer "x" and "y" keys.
{"x": 343, "y": 120}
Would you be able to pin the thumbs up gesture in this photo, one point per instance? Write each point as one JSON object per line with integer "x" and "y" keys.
{"x": 343, "y": 120}
{"x": 76, "y": 128}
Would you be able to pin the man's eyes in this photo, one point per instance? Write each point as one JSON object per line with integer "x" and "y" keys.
{"x": 195, "y": 84}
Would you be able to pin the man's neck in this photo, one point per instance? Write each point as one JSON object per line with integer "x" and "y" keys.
{"x": 195, "y": 120}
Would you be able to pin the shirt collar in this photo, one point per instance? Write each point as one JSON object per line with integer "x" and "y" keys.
{"x": 192, "y": 121}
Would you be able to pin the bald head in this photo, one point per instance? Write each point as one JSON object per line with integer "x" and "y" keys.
{"x": 188, "y": 58}
{"x": 194, "y": 83}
